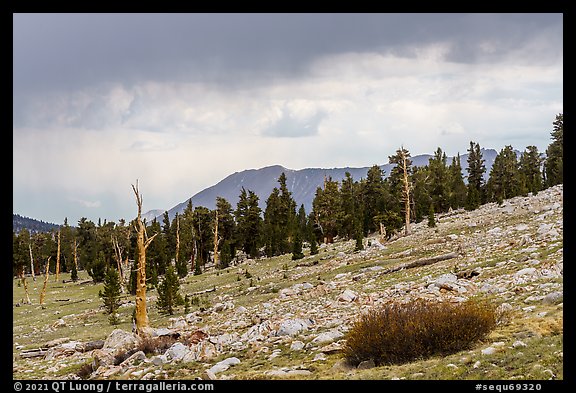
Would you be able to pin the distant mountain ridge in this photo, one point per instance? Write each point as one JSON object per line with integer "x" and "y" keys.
{"x": 301, "y": 183}
{"x": 33, "y": 226}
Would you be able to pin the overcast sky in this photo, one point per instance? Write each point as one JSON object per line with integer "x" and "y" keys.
{"x": 180, "y": 101}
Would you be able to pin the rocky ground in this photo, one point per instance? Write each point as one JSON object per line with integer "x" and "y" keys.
{"x": 277, "y": 318}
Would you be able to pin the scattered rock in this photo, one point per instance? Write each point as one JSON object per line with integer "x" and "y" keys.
{"x": 554, "y": 298}
{"x": 347, "y": 296}
{"x": 366, "y": 364}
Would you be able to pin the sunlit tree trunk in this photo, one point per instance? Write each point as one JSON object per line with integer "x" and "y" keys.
{"x": 31, "y": 259}
{"x": 177, "y": 239}
{"x": 23, "y": 279}
{"x": 142, "y": 243}
{"x": 216, "y": 263}
{"x": 58, "y": 259}
{"x": 43, "y": 293}
{"x": 406, "y": 192}
{"x": 118, "y": 254}
{"x": 76, "y": 254}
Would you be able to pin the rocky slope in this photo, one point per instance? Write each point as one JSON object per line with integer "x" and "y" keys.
{"x": 289, "y": 319}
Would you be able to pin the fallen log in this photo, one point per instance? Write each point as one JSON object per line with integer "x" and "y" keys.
{"x": 203, "y": 292}
{"x": 420, "y": 262}
{"x": 32, "y": 353}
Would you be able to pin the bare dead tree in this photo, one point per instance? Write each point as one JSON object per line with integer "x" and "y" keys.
{"x": 23, "y": 279}
{"x": 31, "y": 259}
{"x": 43, "y": 293}
{"x": 75, "y": 254}
{"x": 118, "y": 254}
{"x": 406, "y": 190}
{"x": 177, "y": 239}
{"x": 58, "y": 259}
{"x": 142, "y": 242}
{"x": 216, "y": 262}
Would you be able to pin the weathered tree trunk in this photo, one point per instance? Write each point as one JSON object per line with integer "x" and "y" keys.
{"x": 216, "y": 262}
{"x": 177, "y": 239}
{"x": 421, "y": 262}
{"x": 43, "y": 293}
{"x": 31, "y": 261}
{"x": 142, "y": 243}
{"x": 76, "y": 255}
{"x": 406, "y": 193}
{"x": 23, "y": 279}
{"x": 58, "y": 259}
{"x": 118, "y": 254}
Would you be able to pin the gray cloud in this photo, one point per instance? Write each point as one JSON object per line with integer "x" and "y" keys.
{"x": 74, "y": 50}
{"x": 151, "y": 94}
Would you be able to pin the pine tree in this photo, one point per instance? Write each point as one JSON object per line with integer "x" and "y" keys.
{"x": 373, "y": 196}
{"x": 531, "y": 176}
{"x": 326, "y": 207}
{"x": 403, "y": 172}
{"x": 313, "y": 246}
{"x": 279, "y": 219}
{"x": 421, "y": 192}
{"x": 111, "y": 294}
{"x": 476, "y": 170}
{"x": 503, "y": 182}
{"x": 249, "y": 222}
{"x": 553, "y": 166}
{"x": 359, "y": 246}
{"x": 168, "y": 292}
{"x": 226, "y": 231}
{"x": 349, "y": 206}
{"x": 439, "y": 181}
{"x": 431, "y": 219}
{"x": 97, "y": 269}
{"x": 297, "y": 247}
{"x": 457, "y": 193}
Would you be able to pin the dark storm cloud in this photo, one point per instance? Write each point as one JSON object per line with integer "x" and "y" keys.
{"x": 62, "y": 51}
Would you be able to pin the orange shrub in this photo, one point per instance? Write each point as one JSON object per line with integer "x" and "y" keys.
{"x": 402, "y": 332}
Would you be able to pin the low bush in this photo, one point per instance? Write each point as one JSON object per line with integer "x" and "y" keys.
{"x": 401, "y": 332}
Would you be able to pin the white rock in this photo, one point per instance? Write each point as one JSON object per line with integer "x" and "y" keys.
{"x": 291, "y": 327}
{"x": 528, "y": 271}
{"x": 327, "y": 337}
{"x": 489, "y": 351}
{"x": 347, "y": 296}
{"x": 519, "y": 344}
{"x": 177, "y": 351}
{"x": 296, "y": 345}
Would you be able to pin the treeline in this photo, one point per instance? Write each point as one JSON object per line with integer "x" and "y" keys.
{"x": 350, "y": 209}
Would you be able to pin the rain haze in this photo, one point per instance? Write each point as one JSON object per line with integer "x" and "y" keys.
{"x": 180, "y": 101}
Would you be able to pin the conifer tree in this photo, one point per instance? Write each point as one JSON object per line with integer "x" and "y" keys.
{"x": 111, "y": 294}
{"x": 97, "y": 269}
{"x": 169, "y": 292}
{"x": 226, "y": 231}
{"x": 553, "y": 166}
{"x": 279, "y": 219}
{"x": 326, "y": 206}
{"x": 457, "y": 193}
{"x": 421, "y": 192}
{"x": 374, "y": 194}
{"x": 476, "y": 170}
{"x": 439, "y": 181}
{"x": 530, "y": 163}
{"x": 249, "y": 222}
{"x": 431, "y": 219}
{"x": 403, "y": 171}
{"x": 503, "y": 182}
{"x": 349, "y": 206}
{"x": 297, "y": 247}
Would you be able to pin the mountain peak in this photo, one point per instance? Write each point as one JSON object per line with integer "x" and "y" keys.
{"x": 301, "y": 183}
